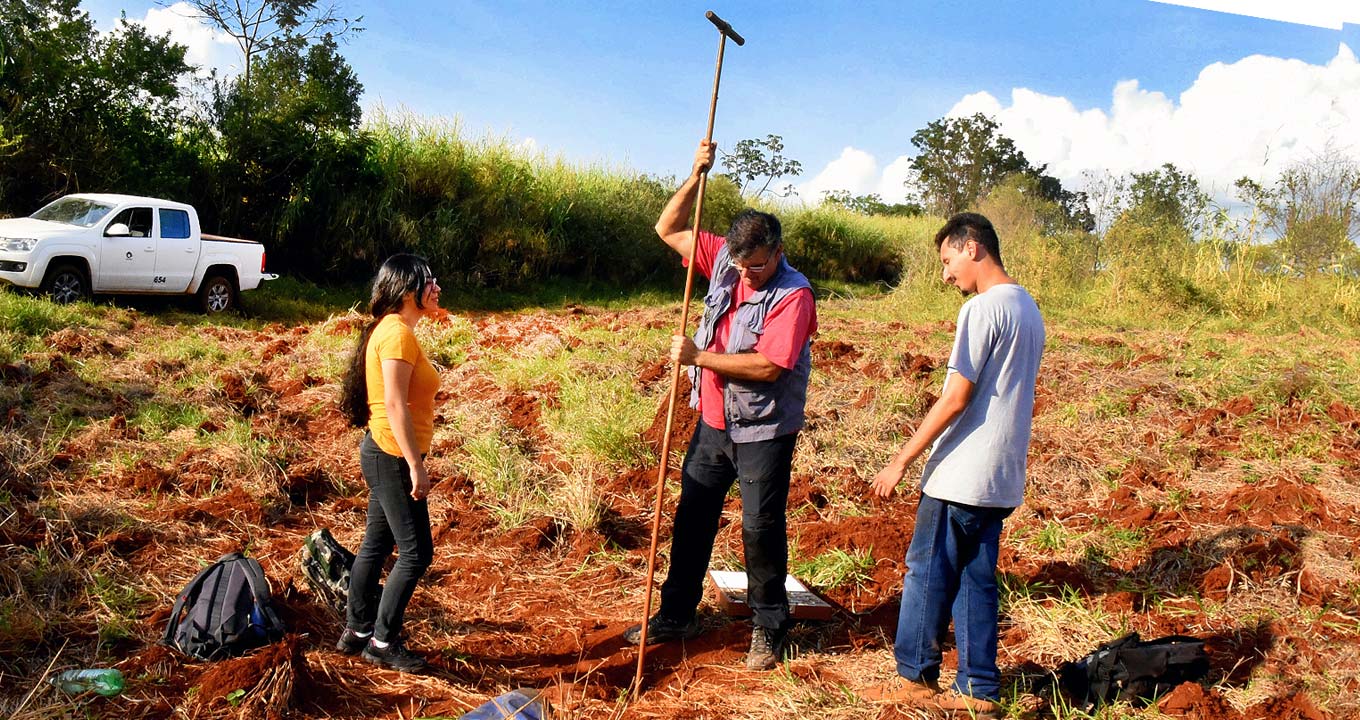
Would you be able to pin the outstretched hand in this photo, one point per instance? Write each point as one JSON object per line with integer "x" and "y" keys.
{"x": 886, "y": 481}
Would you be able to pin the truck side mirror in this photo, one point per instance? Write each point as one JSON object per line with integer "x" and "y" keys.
{"x": 117, "y": 230}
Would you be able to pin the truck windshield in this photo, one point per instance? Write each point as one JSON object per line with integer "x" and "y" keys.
{"x": 73, "y": 211}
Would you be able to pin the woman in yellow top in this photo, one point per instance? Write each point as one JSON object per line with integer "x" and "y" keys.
{"x": 389, "y": 388}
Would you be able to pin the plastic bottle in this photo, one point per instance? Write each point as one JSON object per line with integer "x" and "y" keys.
{"x": 104, "y": 681}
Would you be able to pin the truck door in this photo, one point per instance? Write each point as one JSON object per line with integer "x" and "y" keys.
{"x": 126, "y": 262}
{"x": 176, "y": 251}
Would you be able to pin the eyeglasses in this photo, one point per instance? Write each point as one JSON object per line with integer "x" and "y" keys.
{"x": 754, "y": 269}
{"x": 431, "y": 281}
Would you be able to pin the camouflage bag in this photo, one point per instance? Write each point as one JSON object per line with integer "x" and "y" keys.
{"x": 326, "y": 565}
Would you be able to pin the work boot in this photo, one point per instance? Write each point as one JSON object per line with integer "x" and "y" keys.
{"x": 767, "y": 648}
{"x": 351, "y": 643}
{"x": 902, "y": 690}
{"x": 395, "y": 656}
{"x": 662, "y": 629}
{"x": 967, "y": 706}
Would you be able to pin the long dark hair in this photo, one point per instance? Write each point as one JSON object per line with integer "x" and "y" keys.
{"x": 399, "y": 274}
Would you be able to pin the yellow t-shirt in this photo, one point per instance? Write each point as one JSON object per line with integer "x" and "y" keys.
{"x": 393, "y": 340}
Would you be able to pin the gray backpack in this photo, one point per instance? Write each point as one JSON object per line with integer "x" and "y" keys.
{"x": 224, "y": 611}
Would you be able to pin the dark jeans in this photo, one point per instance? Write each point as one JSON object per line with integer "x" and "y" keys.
{"x": 394, "y": 519}
{"x": 951, "y": 570}
{"x": 712, "y": 463}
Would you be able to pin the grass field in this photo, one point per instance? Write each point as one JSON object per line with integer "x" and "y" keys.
{"x": 1192, "y": 471}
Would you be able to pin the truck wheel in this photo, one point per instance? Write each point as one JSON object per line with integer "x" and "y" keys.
{"x": 217, "y": 294}
{"x": 65, "y": 283}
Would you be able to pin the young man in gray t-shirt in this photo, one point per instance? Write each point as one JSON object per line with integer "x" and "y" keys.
{"x": 974, "y": 478}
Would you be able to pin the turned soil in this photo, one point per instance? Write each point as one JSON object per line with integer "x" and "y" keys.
{"x": 544, "y": 604}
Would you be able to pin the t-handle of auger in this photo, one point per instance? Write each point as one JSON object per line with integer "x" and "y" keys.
{"x": 724, "y": 31}
{"x": 724, "y": 28}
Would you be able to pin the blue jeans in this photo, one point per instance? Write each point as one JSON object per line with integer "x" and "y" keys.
{"x": 951, "y": 571}
{"x": 762, "y": 470}
{"x": 395, "y": 519}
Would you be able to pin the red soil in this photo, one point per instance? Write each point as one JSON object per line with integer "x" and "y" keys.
{"x": 543, "y": 604}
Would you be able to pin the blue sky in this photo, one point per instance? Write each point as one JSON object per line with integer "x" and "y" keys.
{"x": 627, "y": 83}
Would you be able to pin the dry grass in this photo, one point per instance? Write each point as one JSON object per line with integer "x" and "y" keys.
{"x": 1111, "y": 435}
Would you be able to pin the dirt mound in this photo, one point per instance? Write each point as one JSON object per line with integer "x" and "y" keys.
{"x": 78, "y": 343}
{"x": 1212, "y": 420}
{"x": 652, "y": 374}
{"x": 522, "y": 412}
{"x": 246, "y": 395}
{"x": 537, "y": 534}
{"x": 834, "y": 355}
{"x": 228, "y": 509}
{"x": 914, "y": 366}
{"x": 1275, "y": 503}
{"x": 683, "y": 425}
{"x": 1190, "y": 700}
{"x": 268, "y": 683}
{"x": 824, "y": 350}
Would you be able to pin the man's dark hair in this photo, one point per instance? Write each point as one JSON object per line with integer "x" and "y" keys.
{"x": 970, "y": 226}
{"x": 752, "y": 230}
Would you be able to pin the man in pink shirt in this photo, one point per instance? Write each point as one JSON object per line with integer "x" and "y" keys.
{"x": 749, "y": 363}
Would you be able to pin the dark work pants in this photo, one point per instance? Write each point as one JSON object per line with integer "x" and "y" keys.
{"x": 394, "y": 520}
{"x": 711, "y": 465}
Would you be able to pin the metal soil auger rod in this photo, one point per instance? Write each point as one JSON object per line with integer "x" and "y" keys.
{"x": 724, "y": 31}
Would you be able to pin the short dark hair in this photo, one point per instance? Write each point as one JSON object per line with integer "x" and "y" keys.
{"x": 970, "y": 226}
{"x": 752, "y": 230}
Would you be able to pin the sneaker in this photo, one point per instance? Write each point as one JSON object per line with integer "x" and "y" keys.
{"x": 351, "y": 643}
{"x": 395, "y": 656}
{"x": 768, "y": 647}
{"x": 662, "y": 629}
{"x": 902, "y": 690}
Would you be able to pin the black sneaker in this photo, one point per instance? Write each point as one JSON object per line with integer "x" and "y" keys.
{"x": 395, "y": 656}
{"x": 351, "y": 643}
{"x": 662, "y": 629}
{"x": 768, "y": 648}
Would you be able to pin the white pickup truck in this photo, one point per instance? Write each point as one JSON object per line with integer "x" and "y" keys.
{"x": 102, "y": 243}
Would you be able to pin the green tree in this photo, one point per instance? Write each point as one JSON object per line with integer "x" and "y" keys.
{"x": 289, "y": 150}
{"x": 1168, "y": 196}
{"x": 1313, "y": 209}
{"x": 752, "y": 160}
{"x": 80, "y": 110}
{"x": 960, "y": 159}
{"x": 871, "y": 204}
{"x": 259, "y": 26}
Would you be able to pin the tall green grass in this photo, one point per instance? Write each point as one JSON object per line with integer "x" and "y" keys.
{"x": 490, "y": 214}
{"x": 1135, "y": 276}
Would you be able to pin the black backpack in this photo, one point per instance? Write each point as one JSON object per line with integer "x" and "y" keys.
{"x": 224, "y": 611}
{"x": 1132, "y": 670}
{"x": 326, "y": 566}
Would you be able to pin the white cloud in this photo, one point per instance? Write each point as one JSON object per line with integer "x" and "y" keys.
{"x": 207, "y": 47}
{"x": 1318, "y": 13}
{"x": 1252, "y": 117}
{"x": 855, "y": 171}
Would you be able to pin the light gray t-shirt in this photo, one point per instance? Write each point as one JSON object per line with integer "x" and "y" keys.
{"x": 980, "y": 458}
